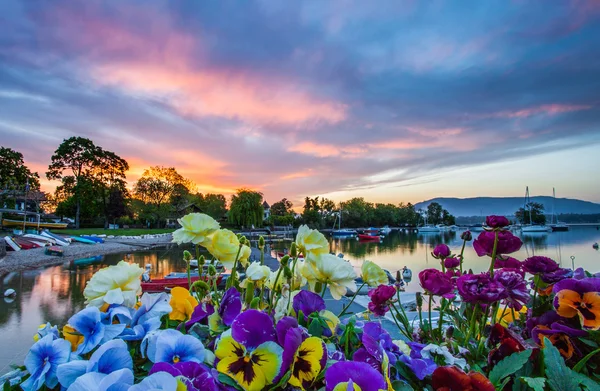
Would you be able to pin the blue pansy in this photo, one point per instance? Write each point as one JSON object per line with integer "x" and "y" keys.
{"x": 90, "y": 323}
{"x": 120, "y": 380}
{"x": 46, "y": 329}
{"x": 147, "y": 317}
{"x": 42, "y": 362}
{"x": 160, "y": 381}
{"x": 172, "y": 347}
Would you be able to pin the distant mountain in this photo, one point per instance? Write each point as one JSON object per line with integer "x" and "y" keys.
{"x": 507, "y": 206}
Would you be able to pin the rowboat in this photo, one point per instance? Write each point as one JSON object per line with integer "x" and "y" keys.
{"x": 33, "y": 224}
{"x": 87, "y": 261}
{"x": 11, "y": 243}
{"x": 82, "y": 240}
{"x": 92, "y": 238}
{"x": 25, "y": 244}
{"x": 39, "y": 238}
{"x": 54, "y": 250}
{"x": 166, "y": 284}
{"x": 60, "y": 240}
{"x": 369, "y": 237}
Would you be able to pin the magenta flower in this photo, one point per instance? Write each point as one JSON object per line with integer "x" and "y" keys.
{"x": 539, "y": 264}
{"x": 380, "y": 298}
{"x": 496, "y": 221}
{"x": 441, "y": 251}
{"x": 509, "y": 262}
{"x": 466, "y": 236}
{"x": 517, "y": 293}
{"x": 480, "y": 288}
{"x": 557, "y": 275}
{"x": 344, "y": 375}
{"x": 436, "y": 283}
{"x": 451, "y": 263}
{"x": 507, "y": 243}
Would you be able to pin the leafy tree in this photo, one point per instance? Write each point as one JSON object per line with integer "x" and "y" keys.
{"x": 214, "y": 205}
{"x": 108, "y": 176}
{"x": 246, "y": 208}
{"x": 282, "y": 208}
{"x": 357, "y": 212}
{"x": 156, "y": 187}
{"x": 117, "y": 204}
{"x": 77, "y": 156}
{"x": 14, "y": 176}
{"x": 537, "y": 214}
{"x": 407, "y": 214}
{"x": 438, "y": 215}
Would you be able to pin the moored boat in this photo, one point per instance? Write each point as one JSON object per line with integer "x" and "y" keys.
{"x": 82, "y": 240}
{"x": 40, "y": 238}
{"x": 369, "y": 237}
{"x": 88, "y": 260}
{"x": 25, "y": 244}
{"x": 344, "y": 232}
{"x": 33, "y": 224}
{"x": 428, "y": 229}
{"x": 12, "y": 244}
{"x": 166, "y": 284}
{"x": 96, "y": 239}
{"x": 60, "y": 240}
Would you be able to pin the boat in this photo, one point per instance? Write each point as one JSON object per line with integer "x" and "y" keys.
{"x": 369, "y": 237}
{"x": 475, "y": 227}
{"x": 406, "y": 274}
{"x": 453, "y": 228}
{"x": 25, "y": 244}
{"x": 428, "y": 229}
{"x": 82, "y": 240}
{"x": 166, "y": 284}
{"x": 559, "y": 226}
{"x": 96, "y": 239}
{"x": 281, "y": 254}
{"x": 40, "y": 243}
{"x": 12, "y": 244}
{"x": 88, "y": 260}
{"x": 595, "y": 246}
{"x": 54, "y": 250}
{"x": 442, "y": 227}
{"x": 371, "y": 231}
{"x": 33, "y": 224}
{"x": 40, "y": 238}
{"x": 341, "y": 232}
{"x": 385, "y": 230}
{"x": 532, "y": 228}
{"x": 60, "y": 240}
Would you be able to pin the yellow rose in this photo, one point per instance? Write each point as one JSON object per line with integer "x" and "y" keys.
{"x": 338, "y": 274}
{"x": 373, "y": 275}
{"x": 116, "y": 284}
{"x": 224, "y": 246}
{"x": 257, "y": 272}
{"x": 195, "y": 228}
{"x": 182, "y": 303}
{"x": 245, "y": 253}
{"x": 311, "y": 242}
{"x": 71, "y": 335}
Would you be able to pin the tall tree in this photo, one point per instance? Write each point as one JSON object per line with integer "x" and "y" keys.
{"x": 116, "y": 206}
{"x": 282, "y": 208}
{"x": 246, "y": 208}
{"x": 214, "y": 205}
{"x": 77, "y": 156}
{"x": 108, "y": 176}
{"x": 13, "y": 171}
{"x": 155, "y": 188}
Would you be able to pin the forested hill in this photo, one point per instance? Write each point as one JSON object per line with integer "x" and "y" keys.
{"x": 483, "y": 206}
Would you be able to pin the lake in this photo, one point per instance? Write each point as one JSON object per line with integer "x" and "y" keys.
{"x": 55, "y": 293}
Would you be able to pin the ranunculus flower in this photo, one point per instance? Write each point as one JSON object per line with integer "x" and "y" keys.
{"x": 517, "y": 293}
{"x": 451, "y": 263}
{"x": 182, "y": 303}
{"x": 116, "y": 284}
{"x": 195, "y": 228}
{"x": 557, "y": 275}
{"x": 467, "y": 236}
{"x": 436, "y": 283}
{"x": 380, "y": 298}
{"x": 454, "y": 379}
{"x": 496, "y": 221}
{"x": 257, "y": 272}
{"x": 441, "y": 251}
{"x": 372, "y": 274}
{"x": 509, "y": 262}
{"x": 507, "y": 243}
{"x": 311, "y": 242}
{"x": 224, "y": 245}
{"x": 480, "y": 288}
{"x": 338, "y": 274}
{"x": 538, "y": 264}
{"x": 579, "y": 298}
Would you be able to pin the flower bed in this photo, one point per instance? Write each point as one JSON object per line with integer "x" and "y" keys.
{"x": 527, "y": 325}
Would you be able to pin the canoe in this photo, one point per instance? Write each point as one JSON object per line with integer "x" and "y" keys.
{"x": 54, "y": 250}
{"x": 39, "y": 238}
{"x": 40, "y": 243}
{"x": 166, "y": 284}
{"x": 369, "y": 237}
{"x": 88, "y": 260}
{"x": 33, "y": 224}
{"x": 12, "y": 244}
{"x": 25, "y": 244}
{"x": 82, "y": 240}
{"x": 61, "y": 241}
{"x": 92, "y": 238}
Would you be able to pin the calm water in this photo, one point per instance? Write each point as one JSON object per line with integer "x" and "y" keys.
{"x": 53, "y": 294}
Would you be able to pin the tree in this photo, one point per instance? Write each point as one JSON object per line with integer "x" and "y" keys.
{"x": 537, "y": 214}
{"x": 14, "y": 176}
{"x": 79, "y": 156}
{"x": 214, "y": 205}
{"x": 117, "y": 204}
{"x": 246, "y": 208}
{"x": 282, "y": 208}
{"x": 357, "y": 212}
{"x": 156, "y": 187}
{"x": 407, "y": 214}
{"x": 108, "y": 176}
{"x": 434, "y": 213}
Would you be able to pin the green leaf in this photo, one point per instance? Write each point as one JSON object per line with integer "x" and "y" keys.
{"x": 588, "y": 383}
{"x": 537, "y": 383}
{"x": 227, "y": 380}
{"x": 583, "y": 361}
{"x": 399, "y": 385}
{"x": 315, "y": 328}
{"x": 508, "y": 366}
{"x": 559, "y": 376}
{"x": 588, "y": 342}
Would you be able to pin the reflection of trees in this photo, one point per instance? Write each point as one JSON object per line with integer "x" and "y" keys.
{"x": 535, "y": 242}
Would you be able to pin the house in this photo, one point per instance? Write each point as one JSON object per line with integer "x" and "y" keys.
{"x": 17, "y": 200}
{"x": 180, "y": 211}
{"x": 266, "y": 210}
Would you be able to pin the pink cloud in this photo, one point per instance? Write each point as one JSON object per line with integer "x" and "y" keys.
{"x": 549, "y": 109}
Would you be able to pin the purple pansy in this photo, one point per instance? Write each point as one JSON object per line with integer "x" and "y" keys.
{"x": 359, "y": 373}
{"x": 200, "y": 315}
{"x": 230, "y": 307}
{"x": 308, "y": 302}
{"x": 43, "y": 360}
{"x": 251, "y": 337}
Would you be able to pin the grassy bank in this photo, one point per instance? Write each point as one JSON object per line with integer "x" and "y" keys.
{"x": 99, "y": 231}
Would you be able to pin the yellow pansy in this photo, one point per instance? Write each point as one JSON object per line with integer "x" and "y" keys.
{"x": 116, "y": 284}
{"x": 507, "y": 317}
{"x": 373, "y": 275}
{"x": 195, "y": 228}
{"x": 182, "y": 303}
{"x": 306, "y": 364}
{"x": 71, "y": 335}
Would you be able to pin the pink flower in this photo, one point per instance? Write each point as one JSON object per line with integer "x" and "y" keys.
{"x": 451, "y": 263}
{"x": 496, "y": 221}
{"x": 380, "y": 298}
{"x": 441, "y": 251}
{"x": 507, "y": 243}
{"x": 436, "y": 283}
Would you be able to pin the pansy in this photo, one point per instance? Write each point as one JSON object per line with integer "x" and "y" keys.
{"x": 507, "y": 243}
{"x": 196, "y": 375}
{"x": 579, "y": 298}
{"x": 45, "y": 329}
{"x": 248, "y": 352}
{"x": 147, "y": 317}
{"x": 517, "y": 293}
{"x": 356, "y": 376}
{"x": 503, "y": 342}
{"x": 108, "y": 358}
{"x": 311, "y": 242}
{"x": 338, "y": 274}
{"x": 432, "y": 351}
{"x": 304, "y": 357}
{"x": 172, "y": 346}
{"x": 307, "y": 302}
{"x": 229, "y": 309}
{"x": 378, "y": 349}
{"x": 71, "y": 335}
{"x": 561, "y": 336}
{"x": 42, "y": 362}
{"x": 195, "y": 228}
{"x": 182, "y": 304}
{"x": 507, "y": 315}
{"x": 480, "y": 288}
{"x": 120, "y": 380}
{"x": 160, "y": 381}
{"x": 116, "y": 284}
{"x": 89, "y": 322}
{"x": 421, "y": 366}
{"x": 372, "y": 274}
{"x": 454, "y": 379}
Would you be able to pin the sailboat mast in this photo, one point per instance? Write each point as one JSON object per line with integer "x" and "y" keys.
{"x": 528, "y": 204}
{"x": 553, "y": 206}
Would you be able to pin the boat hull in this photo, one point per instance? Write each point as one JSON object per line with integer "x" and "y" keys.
{"x": 33, "y": 224}
{"x": 371, "y": 238}
{"x": 54, "y": 250}
{"x": 341, "y": 234}
{"x": 59, "y": 240}
{"x": 12, "y": 244}
{"x": 166, "y": 284}
{"x": 92, "y": 238}
{"x": 26, "y": 244}
{"x": 82, "y": 240}
{"x": 560, "y": 228}
{"x": 536, "y": 229}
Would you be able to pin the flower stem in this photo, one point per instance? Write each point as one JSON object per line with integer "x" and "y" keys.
{"x": 430, "y": 308}
{"x": 494, "y": 254}
{"x": 404, "y": 320}
{"x": 324, "y": 289}
{"x": 234, "y": 270}
{"x": 471, "y": 325}
{"x": 441, "y": 319}
{"x": 351, "y": 301}
{"x": 462, "y": 250}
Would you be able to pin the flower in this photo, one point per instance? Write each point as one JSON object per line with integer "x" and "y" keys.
{"x": 557, "y": 275}
{"x": 538, "y": 264}
{"x": 108, "y": 358}
{"x": 147, "y": 317}
{"x": 252, "y": 328}
{"x": 454, "y": 379}
{"x": 195, "y": 228}
{"x": 305, "y": 357}
{"x": 421, "y": 367}
{"x": 380, "y": 298}
{"x": 172, "y": 347}
{"x": 372, "y": 274}
{"x": 183, "y": 304}
{"x": 245, "y": 253}
{"x": 257, "y": 272}
{"x": 230, "y": 307}
{"x": 466, "y": 236}
{"x": 496, "y": 221}
{"x": 436, "y": 283}
{"x": 349, "y": 375}
{"x": 194, "y": 374}
{"x": 89, "y": 322}
{"x": 508, "y": 315}
{"x": 311, "y": 242}
{"x": 451, "y": 263}
{"x": 71, "y": 335}
{"x": 308, "y": 302}
{"x": 480, "y": 288}
{"x": 116, "y": 284}
{"x": 579, "y": 298}
{"x": 160, "y": 381}
{"x": 432, "y": 351}
{"x": 508, "y": 262}
{"x": 441, "y": 251}
{"x": 224, "y": 246}
{"x": 329, "y": 269}
{"x": 504, "y": 342}
{"x": 560, "y": 335}
{"x": 517, "y": 293}
{"x": 43, "y": 360}
{"x": 507, "y": 243}
{"x": 94, "y": 381}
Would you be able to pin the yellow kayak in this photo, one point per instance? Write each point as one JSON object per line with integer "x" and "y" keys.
{"x": 32, "y": 224}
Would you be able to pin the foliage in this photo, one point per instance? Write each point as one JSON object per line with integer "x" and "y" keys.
{"x": 246, "y": 208}
{"x": 537, "y": 214}
{"x": 14, "y": 174}
{"x": 438, "y": 215}
{"x": 318, "y": 212}
{"x": 214, "y": 205}
{"x": 282, "y": 208}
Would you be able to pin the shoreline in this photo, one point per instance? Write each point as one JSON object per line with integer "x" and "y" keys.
{"x": 16, "y": 261}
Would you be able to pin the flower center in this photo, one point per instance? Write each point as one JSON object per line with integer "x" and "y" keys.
{"x": 176, "y": 359}
{"x": 246, "y": 359}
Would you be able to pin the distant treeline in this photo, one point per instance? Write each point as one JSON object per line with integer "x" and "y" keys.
{"x": 569, "y": 218}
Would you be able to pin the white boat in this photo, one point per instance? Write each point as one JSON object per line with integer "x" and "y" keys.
{"x": 453, "y": 228}
{"x": 443, "y": 227}
{"x": 341, "y": 232}
{"x": 12, "y": 243}
{"x": 59, "y": 240}
{"x": 559, "y": 226}
{"x": 429, "y": 229}
{"x": 385, "y": 230}
{"x": 532, "y": 228}
{"x": 406, "y": 274}
{"x": 40, "y": 238}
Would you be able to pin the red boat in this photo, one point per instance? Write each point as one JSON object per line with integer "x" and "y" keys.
{"x": 166, "y": 284}
{"x": 372, "y": 238}
{"x": 25, "y": 244}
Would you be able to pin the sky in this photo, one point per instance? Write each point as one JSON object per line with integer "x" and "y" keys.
{"x": 387, "y": 100}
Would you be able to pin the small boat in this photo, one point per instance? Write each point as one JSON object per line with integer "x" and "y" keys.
{"x": 61, "y": 241}
{"x": 96, "y": 239}
{"x": 535, "y": 229}
{"x": 406, "y": 274}
{"x": 344, "y": 232}
{"x": 87, "y": 261}
{"x": 82, "y": 240}
{"x": 428, "y": 229}
{"x": 33, "y": 224}
{"x": 25, "y": 244}
{"x": 40, "y": 238}
{"x": 281, "y": 254}
{"x": 385, "y": 230}
{"x": 371, "y": 231}
{"x": 12, "y": 244}
{"x": 559, "y": 227}
{"x": 166, "y": 284}
{"x": 595, "y": 246}
{"x": 442, "y": 227}
{"x": 369, "y": 237}
{"x": 54, "y": 250}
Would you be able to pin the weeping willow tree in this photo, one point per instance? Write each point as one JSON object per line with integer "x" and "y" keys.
{"x": 246, "y": 208}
